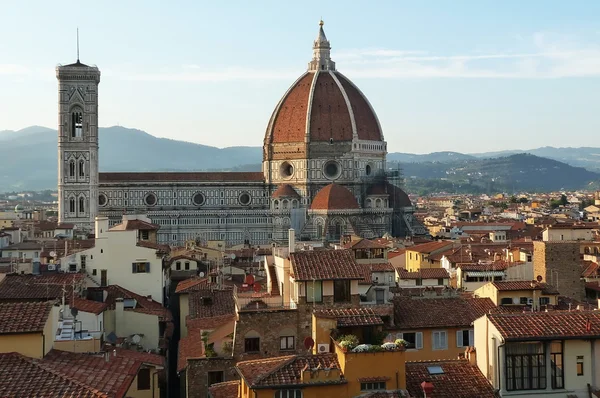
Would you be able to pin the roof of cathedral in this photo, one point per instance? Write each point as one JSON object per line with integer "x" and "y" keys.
{"x": 334, "y": 197}
{"x": 396, "y": 194}
{"x": 285, "y": 190}
{"x": 323, "y": 105}
{"x": 181, "y": 176}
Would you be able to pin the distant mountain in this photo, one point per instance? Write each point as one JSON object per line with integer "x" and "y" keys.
{"x": 29, "y": 162}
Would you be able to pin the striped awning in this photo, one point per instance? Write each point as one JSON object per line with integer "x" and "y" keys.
{"x": 484, "y": 273}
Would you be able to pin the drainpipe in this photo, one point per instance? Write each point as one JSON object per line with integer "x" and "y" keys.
{"x": 498, "y": 363}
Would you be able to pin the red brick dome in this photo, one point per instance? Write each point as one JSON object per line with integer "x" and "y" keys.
{"x": 324, "y": 105}
{"x": 334, "y": 197}
{"x": 285, "y": 190}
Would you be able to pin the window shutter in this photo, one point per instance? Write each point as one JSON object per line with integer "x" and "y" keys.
{"x": 147, "y": 267}
{"x": 419, "y": 340}
{"x": 459, "y": 338}
{"x": 133, "y": 268}
{"x": 444, "y": 339}
{"x": 471, "y": 337}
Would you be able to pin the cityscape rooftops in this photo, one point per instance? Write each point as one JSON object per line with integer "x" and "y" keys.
{"x": 324, "y": 265}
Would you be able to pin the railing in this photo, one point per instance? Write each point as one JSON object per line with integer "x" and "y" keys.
{"x": 256, "y": 301}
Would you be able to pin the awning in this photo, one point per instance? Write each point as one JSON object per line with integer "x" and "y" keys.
{"x": 484, "y": 273}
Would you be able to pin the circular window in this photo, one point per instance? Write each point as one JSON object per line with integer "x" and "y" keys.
{"x": 198, "y": 199}
{"x": 368, "y": 170}
{"x": 286, "y": 170}
{"x": 244, "y": 199}
{"x": 102, "y": 200}
{"x": 150, "y": 199}
{"x": 332, "y": 170}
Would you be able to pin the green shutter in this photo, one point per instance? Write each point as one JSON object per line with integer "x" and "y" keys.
{"x": 133, "y": 268}
{"x": 148, "y": 268}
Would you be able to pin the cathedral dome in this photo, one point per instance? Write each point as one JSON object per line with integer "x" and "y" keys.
{"x": 334, "y": 197}
{"x": 322, "y": 105}
{"x": 285, "y": 190}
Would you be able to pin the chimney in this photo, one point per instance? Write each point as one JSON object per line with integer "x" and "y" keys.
{"x": 427, "y": 388}
{"x": 471, "y": 355}
{"x": 580, "y": 307}
{"x": 119, "y": 316}
{"x": 149, "y": 297}
{"x": 291, "y": 240}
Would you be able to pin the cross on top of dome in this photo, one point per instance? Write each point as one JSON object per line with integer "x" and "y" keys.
{"x": 321, "y": 52}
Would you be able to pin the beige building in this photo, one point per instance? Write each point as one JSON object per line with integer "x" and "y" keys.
{"x": 519, "y": 293}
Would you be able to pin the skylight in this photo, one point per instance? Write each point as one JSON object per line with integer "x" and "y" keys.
{"x": 435, "y": 370}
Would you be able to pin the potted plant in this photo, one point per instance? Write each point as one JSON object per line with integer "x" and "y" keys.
{"x": 401, "y": 344}
{"x": 348, "y": 342}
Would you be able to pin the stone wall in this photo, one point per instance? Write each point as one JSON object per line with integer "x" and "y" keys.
{"x": 559, "y": 265}
{"x": 197, "y": 374}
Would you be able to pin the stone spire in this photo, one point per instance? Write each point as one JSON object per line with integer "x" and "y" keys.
{"x": 321, "y": 52}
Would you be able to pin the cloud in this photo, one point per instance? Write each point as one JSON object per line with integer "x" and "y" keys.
{"x": 14, "y": 69}
{"x": 197, "y": 73}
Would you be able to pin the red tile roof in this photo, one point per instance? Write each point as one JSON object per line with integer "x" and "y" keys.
{"x": 547, "y": 325}
{"x": 191, "y": 346}
{"x": 17, "y": 287}
{"x": 285, "y": 190}
{"x": 379, "y": 267}
{"x": 192, "y": 284}
{"x": 133, "y": 225}
{"x": 430, "y": 247}
{"x": 24, "y": 317}
{"x": 284, "y": 371}
{"x": 417, "y": 313}
{"x": 143, "y": 305}
{"x": 459, "y": 379}
{"x": 25, "y": 377}
{"x": 364, "y": 244}
{"x": 497, "y": 266}
{"x": 156, "y": 246}
{"x": 91, "y": 306}
{"x": 182, "y": 176}
{"x": 324, "y": 265}
{"x": 334, "y": 197}
{"x": 590, "y": 269}
{"x": 524, "y": 285}
{"x": 424, "y": 273}
{"x": 221, "y": 303}
{"x": 228, "y": 389}
{"x": 347, "y": 317}
{"x": 144, "y": 357}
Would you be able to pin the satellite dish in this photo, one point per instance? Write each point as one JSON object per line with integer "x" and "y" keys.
{"x": 201, "y": 274}
{"x": 257, "y": 287}
{"x": 136, "y": 338}
{"x": 52, "y": 254}
{"x": 309, "y": 343}
{"x": 539, "y": 278}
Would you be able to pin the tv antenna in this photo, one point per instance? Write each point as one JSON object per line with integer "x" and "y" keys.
{"x": 78, "y": 44}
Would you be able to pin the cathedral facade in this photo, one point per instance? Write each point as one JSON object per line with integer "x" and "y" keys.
{"x": 323, "y": 174}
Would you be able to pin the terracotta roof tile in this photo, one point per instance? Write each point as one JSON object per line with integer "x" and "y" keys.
{"x": 367, "y": 127}
{"x": 364, "y": 244}
{"x": 91, "y": 306}
{"x": 289, "y": 119}
{"x": 283, "y": 371}
{"x": 424, "y": 273}
{"x": 497, "y": 266}
{"x": 191, "y": 346}
{"x": 324, "y": 265}
{"x": 38, "y": 287}
{"x": 144, "y": 357}
{"x": 417, "y": 313}
{"x": 285, "y": 190}
{"x": 133, "y": 225}
{"x": 24, "y": 317}
{"x": 181, "y": 176}
{"x": 347, "y": 317}
{"x": 430, "y": 247}
{"x": 459, "y": 379}
{"x": 590, "y": 269}
{"x": 25, "y": 377}
{"x": 547, "y": 325}
{"x": 334, "y": 197}
{"x": 162, "y": 248}
{"x": 208, "y": 304}
{"x": 525, "y": 285}
{"x": 228, "y": 389}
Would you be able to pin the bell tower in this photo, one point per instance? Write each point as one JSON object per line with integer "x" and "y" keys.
{"x": 78, "y": 144}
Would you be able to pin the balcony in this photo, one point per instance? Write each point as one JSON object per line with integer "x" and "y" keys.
{"x": 261, "y": 300}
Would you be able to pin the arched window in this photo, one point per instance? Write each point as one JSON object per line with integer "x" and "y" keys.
{"x": 77, "y": 124}
{"x": 369, "y": 203}
{"x": 72, "y": 168}
{"x": 586, "y": 250}
{"x": 276, "y": 204}
{"x": 81, "y": 205}
{"x": 595, "y": 249}
{"x": 284, "y": 204}
{"x": 72, "y": 205}
{"x": 81, "y": 168}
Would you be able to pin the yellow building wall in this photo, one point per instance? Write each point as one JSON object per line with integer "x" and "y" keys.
{"x": 321, "y": 331}
{"x": 184, "y": 311}
{"x": 153, "y": 392}
{"x": 419, "y": 260}
{"x": 4, "y": 223}
{"x": 30, "y": 344}
{"x": 91, "y": 345}
{"x": 427, "y": 353}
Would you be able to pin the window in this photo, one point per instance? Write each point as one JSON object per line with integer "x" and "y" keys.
{"x": 83, "y": 261}
{"x": 143, "y": 379}
{"x": 464, "y": 338}
{"x": 140, "y": 268}
{"x": 178, "y": 265}
{"x": 556, "y": 361}
{"x": 252, "y": 344}
{"x": 525, "y": 366}
{"x": 341, "y": 291}
{"x": 286, "y": 343}
{"x": 440, "y": 340}
{"x": 72, "y": 205}
{"x": 580, "y": 365}
{"x": 215, "y": 377}
{"x": 72, "y": 168}
{"x": 76, "y": 123}
{"x": 288, "y": 394}
{"x": 94, "y": 272}
{"x": 187, "y": 265}
{"x": 373, "y": 386}
{"x": 314, "y": 292}
{"x": 72, "y": 267}
{"x": 440, "y": 281}
{"x": 506, "y": 301}
{"x": 523, "y": 300}
{"x": 81, "y": 205}
{"x": 81, "y": 168}
{"x": 419, "y": 282}
{"x": 544, "y": 300}
{"x": 414, "y": 340}
{"x": 144, "y": 235}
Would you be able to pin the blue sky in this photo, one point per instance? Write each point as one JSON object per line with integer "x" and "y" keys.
{"x": 469, "y": 76}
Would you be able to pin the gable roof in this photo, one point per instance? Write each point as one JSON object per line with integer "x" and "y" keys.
{"x": 324, "y": 265}
{"x": 547, "y": 325}
{"x": 15, "y": 287}
{"x": 91, "y": 306}
{"x": 346, "y": 317}
{"x": 418, "y": 313}
{"x": 24, "y": 317}
{"x": 25, "y": 377}
{"x": 285, "y": 370}
{"x": 227, "y": 389}
{"x": 459, "y": 379}
{"x": 525, "y": 285}
{"x": 364, "y": 244}
{"x": 424, "y": 273}
{"x": 192, "y": 284}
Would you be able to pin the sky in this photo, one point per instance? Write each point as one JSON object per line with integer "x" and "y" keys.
{"x": 467, "y": 76}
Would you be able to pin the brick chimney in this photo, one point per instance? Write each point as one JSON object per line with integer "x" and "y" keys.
{"x": 427, "y": 388}
{"x": 471, "y": 355}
